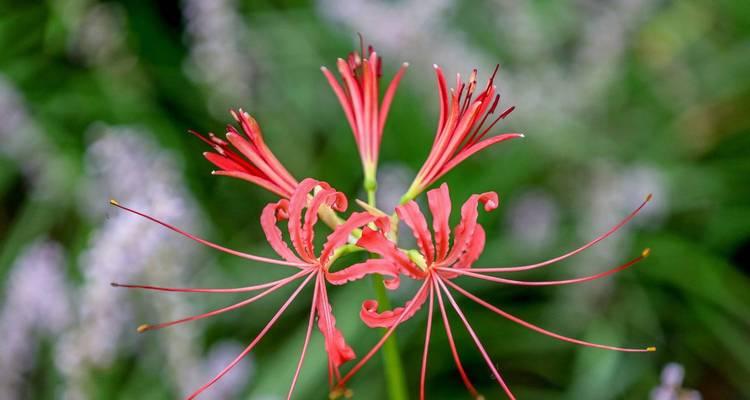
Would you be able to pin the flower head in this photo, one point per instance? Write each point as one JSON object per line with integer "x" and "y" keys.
{"x": 359, "y": 97}
{"x": 461, "y": 129}
{"x": 255, "y": 162}
{"x": 301, "y": 211}
{"x": 438, "y": 263}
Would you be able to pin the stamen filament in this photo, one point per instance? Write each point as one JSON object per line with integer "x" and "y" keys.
{"x": 469, "y": 386}
{"x": 259, "y": 296}
{"x": 423, "y": 375}
{"x": 486, "y": 356}
{"x": 382, "y": 340}
{"x": 206, "y": 242}
{"x": 209, "y": 290}
{"x": 628, "y": 264}
{"x": 539, "y": 329}
{"x": 574, "y": 252}
{"x": 307, "y": 341}
{"x": 254, "y": 342}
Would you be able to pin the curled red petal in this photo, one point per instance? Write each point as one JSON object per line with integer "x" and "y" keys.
{"x": 474, "y": 249}
{"x": 360, "y": 270}
{"x": 465, "y": 229}
{"x": 440, "y": 207}
{"x": 268, "y": 220}
{"x": 338, "y": 350}
{"x": 328, "y": 197}
{"x": 413, "y": 217}
{"x": 341, "y": 233}
{"x": 372, "y": 318}
{"x": 376, "y": 242}
{"x": 297, "y": 203}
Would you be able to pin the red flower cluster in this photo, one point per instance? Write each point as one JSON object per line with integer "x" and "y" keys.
{"x": 442, "y": 256}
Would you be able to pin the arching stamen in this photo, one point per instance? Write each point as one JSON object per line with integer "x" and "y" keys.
{"x": 206, "y": 242}
{"x": 469, "y": 386}
{"x": 210, "y": 290}
{"x": 499, "y": 117}
{"x": 486, "y": 356}
{"x": 588, "y": 278}
{"x": 243, "y": 303}
{"x": 423, "y": 375}
{"x": 574, "y": 252}
{"x": 542, "y": 330}
{"x": 254, "y": 342}
{"x": 471, "y": 139}
{"x": 382, "y": 340}
{"x": 307, "y": 341}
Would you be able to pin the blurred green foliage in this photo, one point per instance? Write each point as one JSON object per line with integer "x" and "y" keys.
{"x": 676, "y": 101}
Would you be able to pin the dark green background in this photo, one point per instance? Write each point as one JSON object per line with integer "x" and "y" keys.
{"x": 673, "y": 101}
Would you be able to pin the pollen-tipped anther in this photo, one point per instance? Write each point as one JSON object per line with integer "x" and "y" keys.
{"x": 113, "y": 202}
{"x": 649, "y": 197}
{"x": 340, "y": 392}
{"x": 651, "y": 349}
{"x": 646, "y": 252}
{"x": 143, "y": 328}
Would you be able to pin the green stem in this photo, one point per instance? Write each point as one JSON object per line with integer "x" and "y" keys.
{"x": 392, "y": 367}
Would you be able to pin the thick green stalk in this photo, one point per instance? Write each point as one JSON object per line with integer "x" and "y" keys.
{"x": 392, "y": 366}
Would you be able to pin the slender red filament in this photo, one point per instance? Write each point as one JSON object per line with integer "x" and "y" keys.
{"x": 541, "y": 330}
{"x": 211, "y": 290}
{"x": 310, "y": 324}
{"x": 546, "y": 283}
{"x": 382, "y": 340}
{"x": 486, "y": 356}
{"x": 571, "y": 253}
{"x": 255, "y": 341}
{"x": 218, "y": 311}
{"x": 469, "y": 386}
{"x": 423, "y": 375}
{"x": 207, "y": 243}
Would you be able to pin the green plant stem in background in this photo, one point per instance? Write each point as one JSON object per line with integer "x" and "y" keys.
{"x": 392, "y": 367}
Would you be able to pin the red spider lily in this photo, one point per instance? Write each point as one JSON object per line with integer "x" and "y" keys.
{"x": 255, "y": 162}
{"x": 461, "y": 129}
{"x": 301, "y": 232}
{"x": 359, "y": 99}
{"x": 438, "y": 264}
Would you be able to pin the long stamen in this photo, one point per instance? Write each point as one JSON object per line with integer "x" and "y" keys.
{"x": 423, "y": 375}
{"x": 307, "y": 341}
{"x": 588, "y": 278}
{"x": 499, "y": 117}
{"x": 542, "y": 330}
{"x": 574, "y": 252}
{"x": 259, "y": 296}
{"x": 209, "y": 290}
{"x": 255, "y": 341}
{"x": 486, "y": 356}
{"x": 382, "y": 340}
{"x": 469, "y": 386}
{"x": 206, "y": 242}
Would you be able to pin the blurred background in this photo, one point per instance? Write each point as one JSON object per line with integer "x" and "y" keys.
{"x": 617, "y": 99}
